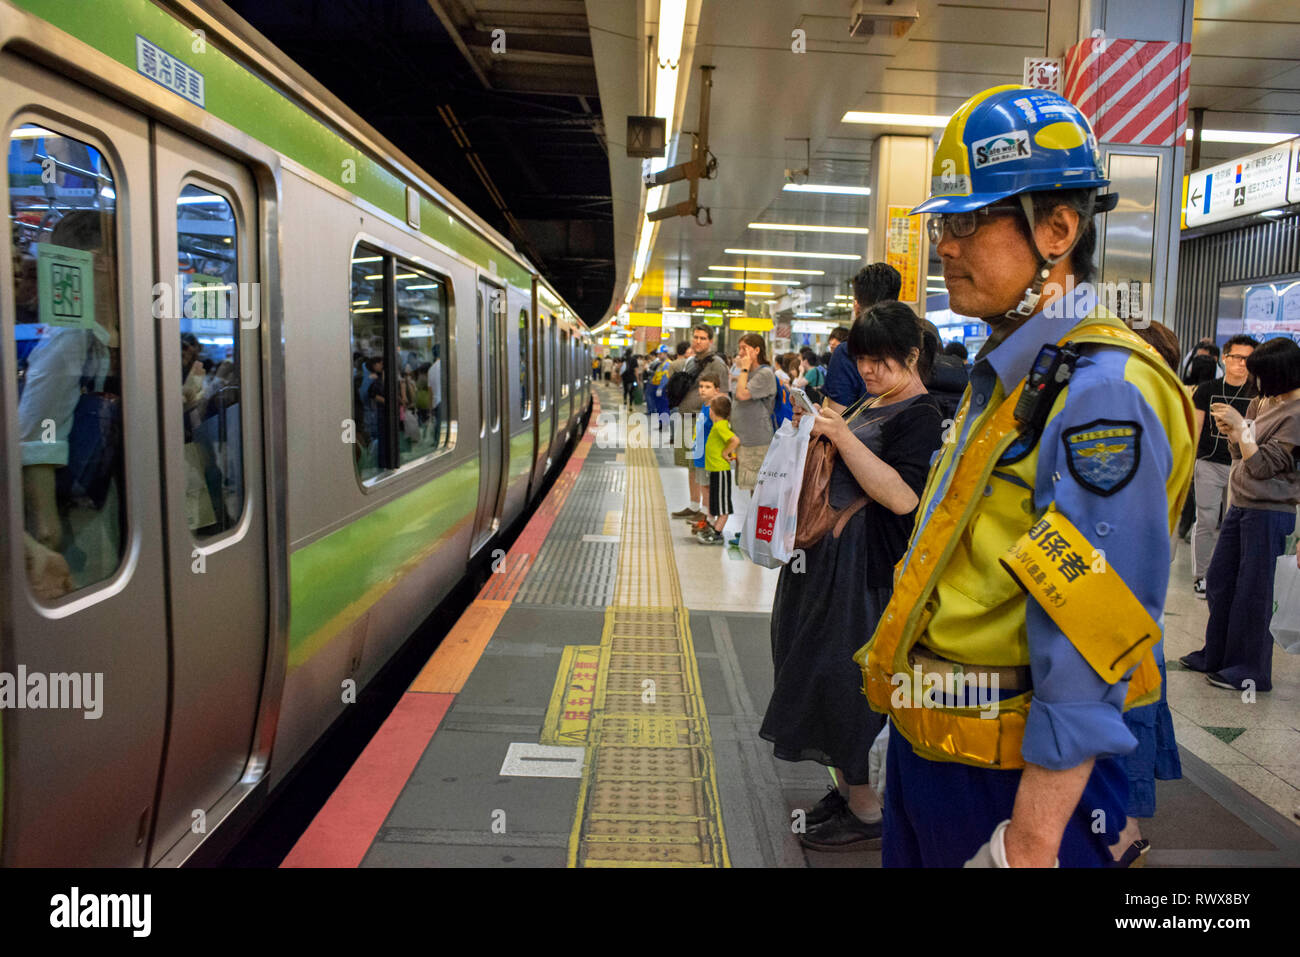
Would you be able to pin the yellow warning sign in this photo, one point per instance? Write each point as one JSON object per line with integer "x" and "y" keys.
{"x": 903, "y": 251}
{"x": 568, "y": 716}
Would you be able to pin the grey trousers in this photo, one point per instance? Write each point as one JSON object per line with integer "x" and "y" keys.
{"x": 1211, "y": 481}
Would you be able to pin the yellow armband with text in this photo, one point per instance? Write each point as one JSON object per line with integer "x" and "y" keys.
{"x": 1056, "y": 564}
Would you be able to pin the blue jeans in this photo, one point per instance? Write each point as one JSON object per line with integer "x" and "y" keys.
{"x": 939, "y": 813}
{"x": 1239, "y": 588}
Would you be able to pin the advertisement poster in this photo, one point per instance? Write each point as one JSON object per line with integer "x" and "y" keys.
{"x": 903, "y": 250}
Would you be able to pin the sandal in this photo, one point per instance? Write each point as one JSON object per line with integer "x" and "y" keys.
{"x": 1135, "y": 855}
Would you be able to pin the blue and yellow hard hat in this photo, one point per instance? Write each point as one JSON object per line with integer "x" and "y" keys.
{"x": 1010, "y": 140}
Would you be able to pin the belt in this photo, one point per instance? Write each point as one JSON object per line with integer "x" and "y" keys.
{"x": 1010, "y": 678}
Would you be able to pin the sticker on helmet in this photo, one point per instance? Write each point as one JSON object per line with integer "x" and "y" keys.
{"x": 950, "y": 184}
{"x": 1001, "y": 148}
{"x": 1027, "y": 108}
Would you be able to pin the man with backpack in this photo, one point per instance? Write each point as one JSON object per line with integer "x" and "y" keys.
{"x": 685, "y": 398}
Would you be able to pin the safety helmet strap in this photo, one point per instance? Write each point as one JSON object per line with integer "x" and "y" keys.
{"x": 1029, "y": 301}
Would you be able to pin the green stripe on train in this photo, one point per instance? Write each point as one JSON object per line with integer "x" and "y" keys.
{"x": 334, "y": 580}
{"x": 252, "y": 105}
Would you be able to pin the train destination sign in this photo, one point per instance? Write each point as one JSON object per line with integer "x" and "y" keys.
{"x": 710, "y": 299}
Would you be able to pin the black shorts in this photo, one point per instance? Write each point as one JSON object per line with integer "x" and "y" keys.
{"x": 719, "y": 493}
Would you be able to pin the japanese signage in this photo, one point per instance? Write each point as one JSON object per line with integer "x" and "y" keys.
{"x": 65, "y": 279}
{"x": 165, "y": 70}
{"x": 903, "y": 251}
{"x": 710, "y": 299}
{"x": 1247, "y": 185}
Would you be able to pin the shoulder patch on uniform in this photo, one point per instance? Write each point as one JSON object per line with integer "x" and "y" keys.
{"x": 1104, "y": 454}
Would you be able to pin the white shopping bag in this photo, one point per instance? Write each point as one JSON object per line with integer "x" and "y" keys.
{"x": 768, "y": 537}
{"x": 1286, "y": 605}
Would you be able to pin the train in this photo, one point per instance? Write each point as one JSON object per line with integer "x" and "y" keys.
{"x": 269, "y": 393}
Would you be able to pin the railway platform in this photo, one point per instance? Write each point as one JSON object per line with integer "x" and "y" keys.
{"x": 599, "y": 703}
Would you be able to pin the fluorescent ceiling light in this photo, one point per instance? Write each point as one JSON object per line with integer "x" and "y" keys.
{"x": 1240, "y": 136}
{"x": 376, "y": 309}
{"x": 643, "y": 249}
{"x": 895, "y": 119}
{"x": 827, "y": 188}
{"x": 31, "y": 133}
{"x": 791, "y": 253}
{"x": 749, "y": 269}
{"x": 368, "y": 259}
{"x": 808, "y": 315}
{"x": 750, "y": 282}
{"x": 672, "y": 24}
{"x": 760, "y": 295}
{"x": 432, "y": 285}
{"x": 375, "y": 276}
{"x": 798, "y": 228}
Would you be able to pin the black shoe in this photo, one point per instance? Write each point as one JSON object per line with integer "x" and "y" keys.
{"x": 1135, "y": 855}
{"x": 826, "y": 808}
{"x": 1194, "y": 661}
{"x": 843, "y": 832}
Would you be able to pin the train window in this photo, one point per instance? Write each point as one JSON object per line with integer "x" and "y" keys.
{"x": 207, "y": 245}
{"x": 525, "y": 398}
{"x": 421, "y": 342}
{"x": 543, "y": 365}
{"x": 399, "y": 317}
{"x": 564, "y": 364}
{"x": 62, "y": 210}
{"x": 369, "y": 399}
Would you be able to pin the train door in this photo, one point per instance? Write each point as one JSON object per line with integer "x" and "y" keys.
{"x": 492, "y": 433}
{"x": 210, "y": 373}
{"x": 83, "y": 627}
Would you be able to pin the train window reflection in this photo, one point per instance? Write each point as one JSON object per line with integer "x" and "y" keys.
{"x": 62, "y": 210}
{"x": 369, "y": 399}
{"x": 209, "y": 302}
{"x": 525, "y": 397}
{"x": 421, "y": 341}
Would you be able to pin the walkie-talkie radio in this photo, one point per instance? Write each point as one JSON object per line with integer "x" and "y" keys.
{"x": 1050, "y": 374}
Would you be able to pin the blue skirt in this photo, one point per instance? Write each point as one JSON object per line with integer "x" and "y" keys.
{"x": 1156, "y": 756}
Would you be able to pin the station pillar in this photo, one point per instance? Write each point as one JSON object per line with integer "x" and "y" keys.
{"x": 900, "y": 180}
{"x": 1126, "y": 66}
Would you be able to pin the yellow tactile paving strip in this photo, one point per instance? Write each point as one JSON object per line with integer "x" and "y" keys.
{"x": 649, "y": 794}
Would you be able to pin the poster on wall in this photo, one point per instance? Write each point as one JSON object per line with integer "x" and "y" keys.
{"x": 1264, "y": 310}
{"x": 903, "y": 251}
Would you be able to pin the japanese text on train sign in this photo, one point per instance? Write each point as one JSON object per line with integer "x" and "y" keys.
{"x": 165, "y": 70}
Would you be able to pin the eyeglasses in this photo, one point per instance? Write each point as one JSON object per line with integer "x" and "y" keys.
{"x": 1235, "y": 358}
{"x": 962, "y": 225}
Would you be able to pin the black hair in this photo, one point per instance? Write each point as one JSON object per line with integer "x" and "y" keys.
{"x": 1241, "y": 340}
{"x": 891, "y": 330}
{"x": 839, "y": 333}
{"x": 956, "y": 349}
{"x": 1209, "y": 347}
{"x": 1275, "y": 366}
{"x": 1083, "y": 202}
{"x": 373, "y": 362}
{"x": 807, "y": 354}
{"x": 1202, "y": 369}
{"x": 683, "y": 348}
{"x": 876, "y": 282}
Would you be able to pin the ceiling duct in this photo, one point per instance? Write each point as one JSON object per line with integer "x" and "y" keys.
{"x": 888, "y": 19}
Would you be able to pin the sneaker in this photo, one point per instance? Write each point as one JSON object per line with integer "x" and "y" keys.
{"x": 688, "y": 512}
{"x": 826, "y": 808}
{"x": 1198, "y": 586}
{"x": 734, "y": 542}
{"x": 708, "y": 537}
{"x": 845, "y": 831}
{"x": 700, "y": 525}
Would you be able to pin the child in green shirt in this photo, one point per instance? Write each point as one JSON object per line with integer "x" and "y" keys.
{"x": 719, "y": 453}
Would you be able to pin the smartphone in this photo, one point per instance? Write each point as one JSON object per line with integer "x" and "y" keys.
{"x": 800, "y": 398}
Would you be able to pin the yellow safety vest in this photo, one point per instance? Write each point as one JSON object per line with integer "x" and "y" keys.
{"x": 961, "y": 593}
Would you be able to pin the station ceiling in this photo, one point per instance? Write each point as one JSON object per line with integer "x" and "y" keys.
{"x": 774, "y": 110}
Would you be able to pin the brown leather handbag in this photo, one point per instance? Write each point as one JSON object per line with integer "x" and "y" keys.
{"x": 815, "y": 517}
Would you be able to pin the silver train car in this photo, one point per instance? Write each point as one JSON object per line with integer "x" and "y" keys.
{"x": 268, "y": 391}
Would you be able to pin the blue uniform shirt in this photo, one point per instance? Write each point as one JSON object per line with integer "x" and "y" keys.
{"x": 843, "y": 382}
{"x": 1075, "y": 714}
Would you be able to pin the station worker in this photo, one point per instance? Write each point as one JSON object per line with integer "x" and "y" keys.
{"x": 1025, "y": 608}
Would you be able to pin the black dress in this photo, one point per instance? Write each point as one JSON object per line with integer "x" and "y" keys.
{"x": 825, "y": 613}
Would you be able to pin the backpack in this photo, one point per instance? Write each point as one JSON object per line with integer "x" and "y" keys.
{"x": 782, "y": 406}
{"x": 681, "y": 383}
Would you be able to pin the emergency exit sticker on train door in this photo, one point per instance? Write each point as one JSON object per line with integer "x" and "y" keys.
{"x": 165, "y": 70}
{"x": 65, "y": 278}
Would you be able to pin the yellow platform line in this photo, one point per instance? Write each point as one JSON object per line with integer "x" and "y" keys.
{"x": 649, "y": 792}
